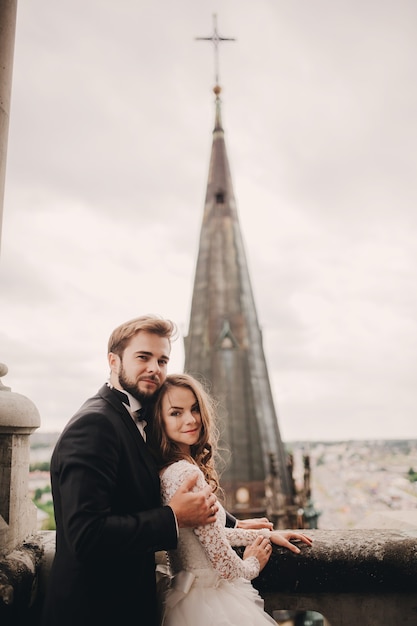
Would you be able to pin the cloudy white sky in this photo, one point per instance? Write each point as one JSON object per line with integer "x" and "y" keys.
{"x": 109, "y": 145}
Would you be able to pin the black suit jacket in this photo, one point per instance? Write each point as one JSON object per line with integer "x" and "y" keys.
{"x": 109, "y": 520}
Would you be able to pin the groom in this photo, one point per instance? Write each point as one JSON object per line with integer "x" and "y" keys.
{"x": 105, "y": 487}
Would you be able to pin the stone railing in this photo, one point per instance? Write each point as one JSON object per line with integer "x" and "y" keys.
{"x": 366, "y": 577}
{"x": 21, "y": 550}
{"x": 363, "y": 577}
{"x": 19, "y": 417}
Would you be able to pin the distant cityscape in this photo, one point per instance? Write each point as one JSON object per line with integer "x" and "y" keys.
{"x": 350, "y": 480}
{"x": 353, "y": 480}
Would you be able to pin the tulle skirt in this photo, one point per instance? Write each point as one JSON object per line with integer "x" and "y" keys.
{"x": 214, "y": 601}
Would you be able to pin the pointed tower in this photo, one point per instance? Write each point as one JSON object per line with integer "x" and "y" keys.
{"x": 224, "y": 349}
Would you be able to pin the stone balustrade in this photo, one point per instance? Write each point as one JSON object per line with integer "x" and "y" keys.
{"x": 21, "y": 550}
{"x": 366, "y": 577}
{"x": 19, "y": 417}
{"x": 352, "y": 577}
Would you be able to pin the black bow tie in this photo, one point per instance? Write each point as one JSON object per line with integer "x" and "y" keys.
{"x": 139, "y": 415}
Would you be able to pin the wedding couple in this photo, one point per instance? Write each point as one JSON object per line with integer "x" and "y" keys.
{"x": 122, "y": 493}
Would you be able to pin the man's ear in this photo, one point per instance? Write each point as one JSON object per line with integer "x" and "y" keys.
{"x": 114, "y": 361}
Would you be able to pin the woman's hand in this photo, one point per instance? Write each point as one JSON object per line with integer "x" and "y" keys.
{"x": 284, "y": 537}
{"x": 261, "y": 548}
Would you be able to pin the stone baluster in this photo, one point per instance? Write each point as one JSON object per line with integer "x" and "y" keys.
{"x": 19, "y": 417}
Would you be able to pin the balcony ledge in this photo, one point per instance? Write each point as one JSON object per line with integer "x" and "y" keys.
{"x": 363, "y": 576}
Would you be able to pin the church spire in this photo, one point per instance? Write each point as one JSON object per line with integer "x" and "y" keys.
{"x": 224, "y": 349}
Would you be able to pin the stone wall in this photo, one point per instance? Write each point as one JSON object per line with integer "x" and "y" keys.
{"x": 359, "y": 577}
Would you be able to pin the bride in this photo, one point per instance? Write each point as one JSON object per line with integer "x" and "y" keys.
{"x": 211, "y": 583}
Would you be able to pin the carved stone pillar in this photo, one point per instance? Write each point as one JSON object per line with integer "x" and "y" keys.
{"x": 19, "y": 417}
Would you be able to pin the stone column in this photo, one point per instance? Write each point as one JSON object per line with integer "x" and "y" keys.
{"x": 8, "y": 9}
{"x": 19, "y": 417}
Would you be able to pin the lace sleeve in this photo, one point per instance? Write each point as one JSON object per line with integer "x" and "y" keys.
{"x": 223, "y": 558}
{"x": 242, "y": 537}
{"x": 213, "y": 537}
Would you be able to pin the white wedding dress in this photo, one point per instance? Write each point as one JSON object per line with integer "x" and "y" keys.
{"x": 221, "y": 593}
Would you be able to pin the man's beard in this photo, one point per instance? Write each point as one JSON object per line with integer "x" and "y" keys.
{"x": 133, "y": 388}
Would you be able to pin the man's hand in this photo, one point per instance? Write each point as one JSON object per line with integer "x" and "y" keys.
{"x": 194, "y": 508}
{"x": 255, "y": 523}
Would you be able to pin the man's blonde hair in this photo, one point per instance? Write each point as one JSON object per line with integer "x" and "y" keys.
{"x": 122, "y": 335}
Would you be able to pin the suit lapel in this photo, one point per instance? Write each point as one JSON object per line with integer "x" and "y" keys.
{"x": 144, "y": 453}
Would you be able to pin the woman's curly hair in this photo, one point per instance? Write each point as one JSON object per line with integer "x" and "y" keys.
{"x": 204, "y": 451}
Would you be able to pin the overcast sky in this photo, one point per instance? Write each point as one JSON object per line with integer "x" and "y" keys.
{"x": 109, "y": 145}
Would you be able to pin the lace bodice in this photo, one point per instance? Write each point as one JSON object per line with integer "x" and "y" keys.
{"x": 208, "y": 547}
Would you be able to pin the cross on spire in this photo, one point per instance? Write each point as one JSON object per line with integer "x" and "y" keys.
{"x": 215, "y": 39}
